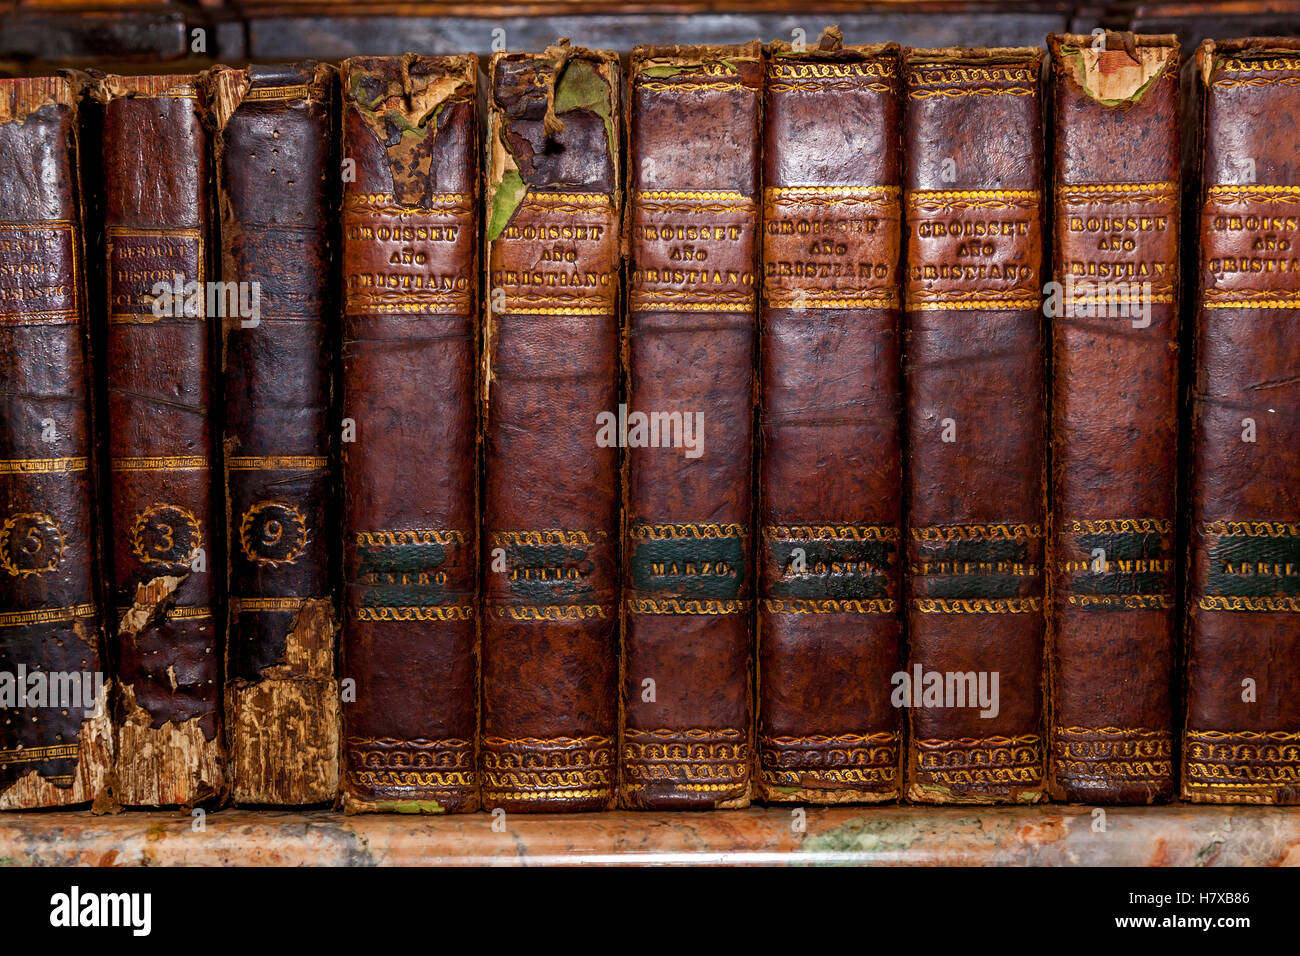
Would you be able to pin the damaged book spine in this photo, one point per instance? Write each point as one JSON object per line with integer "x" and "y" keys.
{"x": 55, "y": 735}
{"x": 976, "y": 425}
{"x": 275, "y": 176}
{"x": 694, "y": 166}
{"x": 160, "y": 351}
{"x": 1241, "y": 742}
{"x": 829, "y": 615}
{"x": 409, "y": 354}
{"x": 1113, "y": 308}
{"x": 549, "y": 378}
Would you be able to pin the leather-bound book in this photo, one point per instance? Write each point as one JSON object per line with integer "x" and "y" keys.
{"x": 1113, "y": 309}
{"x": 693, "y": 169}
{"x": 550, "y": 371}
{"x": 976, "y": 425}
{"x": 1241, "y": 742}
{"x": 410, "y": 248}
{"x": 276, "y": 176}
{"x": 55, "y": 735}
{"x": 830, "y": 484}
{"x": 160, "y": 345}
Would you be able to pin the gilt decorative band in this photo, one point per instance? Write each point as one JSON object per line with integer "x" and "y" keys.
{"x": 691, "y": 606}
{"x": 1241, "y": 766}
{"x": 548, "y": 612}
{"x": 50, "y": 615}
{"x": 299, "y": 91}
{"x": 388, "y": 764}
{"x": 162, "y": 463}
{"x": 1112, "y": 755}
{"x": 977, "y": 762}
{"x": 976, "y": 532}
{"x": 550, "y": 768}
{"x": 270, "y": 605}
{"x": 866, "y": 761}
{"x": 695, "y": 760}
{"x": 669, "y": 532}
{"x": 692, "y": 86}
{"x": 277, "y": 462}
{"x": 42, "y": 466}
{"x": 829, "y": 606}
{"x": 39, "y": 754}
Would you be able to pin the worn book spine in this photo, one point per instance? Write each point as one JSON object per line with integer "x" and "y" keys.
{"x": 275, "y": 181}
{"x": 976, "y": 426}
{"x": 160, "y": 351}
{"x": 695, "y": 118}
{"x": 55, "y": 734}
{"x": 1113, "y": 309}
{"x": 549, "y": 381}
{"x": 1241, "y": 741}
{"x": 830, "y": 483}
{"x": 410, "y": 247}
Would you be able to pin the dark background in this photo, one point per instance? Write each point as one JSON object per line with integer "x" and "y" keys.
{"x": 120, "y": 33}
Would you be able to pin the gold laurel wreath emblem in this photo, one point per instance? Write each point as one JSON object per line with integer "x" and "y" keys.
{"x": 49, "y": 532}
{"x": 143, "y": 523}
{"x": 293, "y": 516}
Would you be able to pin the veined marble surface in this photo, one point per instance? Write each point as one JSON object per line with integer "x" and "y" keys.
{"x": 1179, "y": 835}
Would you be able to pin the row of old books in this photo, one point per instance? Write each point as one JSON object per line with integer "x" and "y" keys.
{"x": 807, "y": 430}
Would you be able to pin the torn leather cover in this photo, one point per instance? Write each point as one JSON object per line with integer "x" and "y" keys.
{"x": 975, "y": 467}
{"x": 829, "y": 479}
{"x": 161, "y": 351}
{"x": 693, "y": 217}
{"x": 410, "y": 254}
{"x": 276, "y": 172}
{"x": 55, "y": 733}
{"x": 550, "y": 370}
{"x": 1241, "y": 742}
{"x": 1114, "y": 317}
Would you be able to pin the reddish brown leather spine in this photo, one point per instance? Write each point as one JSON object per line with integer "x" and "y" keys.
{"x": 550, "y": 377}
{"x": 160, "y": 352}
{"x": 976, "y": 429}
{"x": 410, "y": 244}
{"x": 689, "y": 352}
{"x": 276, "y": 175}
{"x": 1241, "y": 741}
{"x": 50, "y": 626}
{"x": 1114, "y": 315}
{"x": 830, "y": 483}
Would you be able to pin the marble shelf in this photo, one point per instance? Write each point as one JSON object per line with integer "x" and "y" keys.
{"x": 1179, "y": 835}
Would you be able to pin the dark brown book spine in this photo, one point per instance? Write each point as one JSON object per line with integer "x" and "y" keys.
{"x": 410, "y": 247}
{"x": 830, "y": 483}
{"x": 1114, "y": 314}
{"x": 54, "y": 750}
{"x": 976, "y": 425}
{"x": 276, "y": 176}
{"x": 689, "y": 355}
{"x": 162, "y": 496}
{"x": 550, "y": 378}
{"x": 1241, "y": 741}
